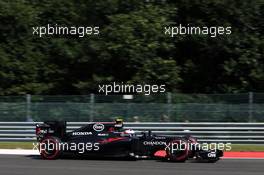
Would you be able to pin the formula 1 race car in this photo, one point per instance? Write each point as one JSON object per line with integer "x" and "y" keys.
{"x": 110, "y": 139}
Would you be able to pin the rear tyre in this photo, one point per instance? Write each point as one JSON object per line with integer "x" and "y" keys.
{"x": 178, "y": 152}
{"x": 49, "y": 148}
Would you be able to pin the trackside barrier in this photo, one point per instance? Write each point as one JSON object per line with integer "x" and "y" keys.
{"x": 246, "y": 133}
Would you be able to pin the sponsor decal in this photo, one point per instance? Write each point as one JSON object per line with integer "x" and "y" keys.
{"x": 102, "y": 134}
{"x": 98, "y": 127}
{"x": 45, "y": 131}
{"x": 211, "y": 155}
{"x": 81, "y": 133}
{"x": 152, "y": 143}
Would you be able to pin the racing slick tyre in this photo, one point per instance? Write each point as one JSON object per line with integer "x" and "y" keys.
{"x": 194, "y": 146}
{"x": 178, "y": 152}
{"x": 49, "y": 148}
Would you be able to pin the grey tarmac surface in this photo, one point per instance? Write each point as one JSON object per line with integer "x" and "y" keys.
{"x": 32, "y": 165}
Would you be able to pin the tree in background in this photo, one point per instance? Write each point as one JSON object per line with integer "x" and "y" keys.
{"x": 131, "y": 47}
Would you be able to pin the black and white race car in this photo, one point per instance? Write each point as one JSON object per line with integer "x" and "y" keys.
{"x": 109, "y": 139}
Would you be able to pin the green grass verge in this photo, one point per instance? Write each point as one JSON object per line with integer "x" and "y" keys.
{"x": 16, "y": 145}
{"x": 29, "y": 145}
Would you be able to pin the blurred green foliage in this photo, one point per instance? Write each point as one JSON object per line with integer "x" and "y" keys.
{"x": 131, "y": 46}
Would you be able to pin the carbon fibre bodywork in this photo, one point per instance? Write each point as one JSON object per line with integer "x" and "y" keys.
{"x": 109, "y": 139}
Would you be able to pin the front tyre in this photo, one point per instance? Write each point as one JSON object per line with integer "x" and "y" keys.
{"x": 178, "y": 151}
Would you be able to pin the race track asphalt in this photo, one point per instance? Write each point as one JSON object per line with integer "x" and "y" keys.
{"x": 32, "y": 165}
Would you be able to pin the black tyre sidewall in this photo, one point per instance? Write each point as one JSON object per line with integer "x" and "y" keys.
{"x": 181, "y": 158}
{"x": 57, "y": 151}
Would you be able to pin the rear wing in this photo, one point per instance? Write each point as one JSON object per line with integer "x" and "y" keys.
{"x": 51, "y": 128}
